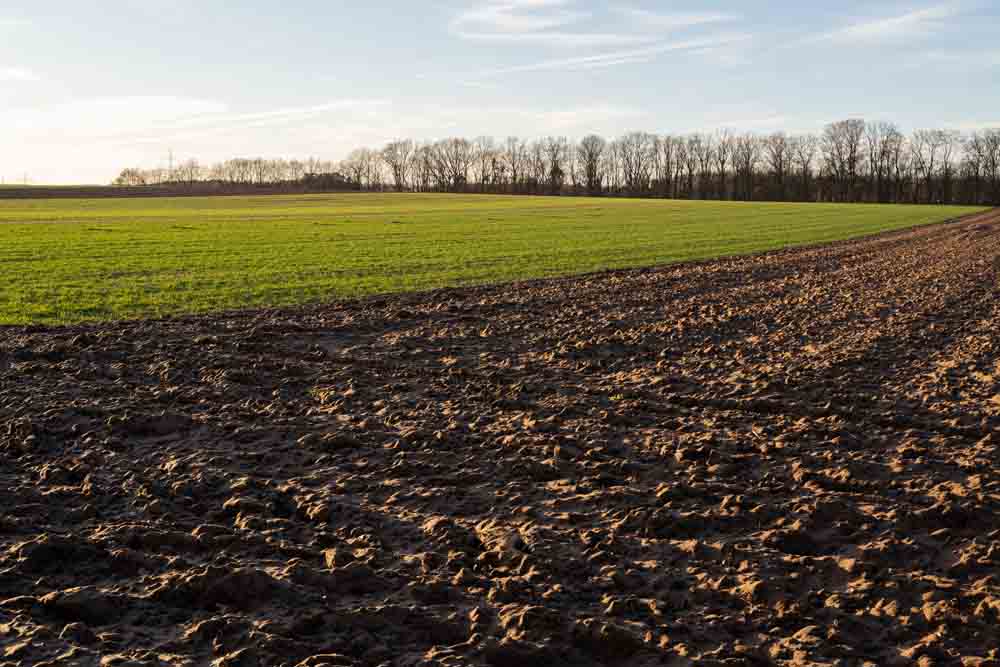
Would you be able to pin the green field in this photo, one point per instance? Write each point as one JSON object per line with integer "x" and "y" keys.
{"x": 65, "y": 261}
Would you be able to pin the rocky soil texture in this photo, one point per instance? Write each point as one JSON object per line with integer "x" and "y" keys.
{"x": 789, "y": 459}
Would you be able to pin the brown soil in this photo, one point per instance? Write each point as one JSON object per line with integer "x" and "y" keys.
{"x": 788, "y": 459}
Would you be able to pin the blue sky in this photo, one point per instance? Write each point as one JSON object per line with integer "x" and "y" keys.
{"x": 87, "y": 87}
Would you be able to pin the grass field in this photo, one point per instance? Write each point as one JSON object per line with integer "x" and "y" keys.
{"x": 65, "y": 261}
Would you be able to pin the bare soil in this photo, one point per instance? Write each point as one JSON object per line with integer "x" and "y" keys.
{"x": 789, "y": 459}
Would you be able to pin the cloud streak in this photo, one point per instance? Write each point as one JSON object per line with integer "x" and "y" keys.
{"x": 960, "y": 59}
{"x": 620, "y": 57}
{"x": 519, "y": 16}
{"x": 153, "y": 119}
{"x": 277, "y": 116}
{"x": 675, "y": 20}
{"x": 911, "y": 24}
{"x": 204, "y": 125}
{"x": 103, "y": 116}
{"x": 533, "y": 21}
{"x": 558, "y": 38}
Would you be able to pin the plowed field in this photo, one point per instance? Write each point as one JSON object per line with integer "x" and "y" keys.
{"x": 786, "y": 459}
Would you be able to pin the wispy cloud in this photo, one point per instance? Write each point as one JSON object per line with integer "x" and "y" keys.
{"x": 918, "y": 22}
{"x": 18, "y": 74}
{"x": 620, "y": 57}
{"x": 277, "y": 116}
{"x": 519, "y": 16}
{"x": 561, "y": 39}
{"x": 435, "y": 121}
{"x": 977, "y": 59}
{"x": 207, "y": 124}
{"x": 159, "y": 119}
{"x": 647, "y": 20}
{"x": 638, "y": 34}
{"x": 88, "y": 118}
{"x": 538, "y": 21}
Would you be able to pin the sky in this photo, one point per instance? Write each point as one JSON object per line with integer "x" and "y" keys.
{"x": 89, "y": 87}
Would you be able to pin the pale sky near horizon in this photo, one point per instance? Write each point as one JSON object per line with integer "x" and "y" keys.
{"x": 88, "y": 87}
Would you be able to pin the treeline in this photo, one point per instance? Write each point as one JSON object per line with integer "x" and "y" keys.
{"x": 849, "y": 161}
{"x": 242, "y": 173}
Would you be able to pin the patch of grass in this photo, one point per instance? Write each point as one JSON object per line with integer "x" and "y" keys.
{"x": 64, "y": 261}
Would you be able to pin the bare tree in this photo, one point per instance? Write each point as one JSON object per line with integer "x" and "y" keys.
{"x": 636, "y": 161}
{"x": 747, "y": 153}
{"x": 664, "y": 159}
{"x": 803, "y": 151}
{"x": 356, "y": 165}
{"x": 131, "y": 177}
{"x": 974, "y": 167}
{"x": 591, "y": 153}
{"x": 423, "y": 167}
{"x": 991, "y": 143}
{"x": 878, "y": 140}
{"x": 556, "y": 150}
{"x": 680, "y": 159}
{"x": 458, "y": 155}
{"x": 704, "y": 152}
{"x": 927, "y": 146}
{"x": 612, "y": 167}
{"x": 439, "y": 166}
{"x": 537, "y": 166}
{"x": 573, "y": 167}
{"x": 950, "y": 148}
{"x": 983, "y": 166}
{"x": 516, "y": 156}
{"x": 900, "y": 167}
{"x": 692, "y": 150}
{"x": 398, "y": 157}
{"x": 723, "y": 153}
{"x": 778, "y": 156}
{"x": 296, "y": 170}
{"x": 486, "y": 154}
{"x": 841, "y": 144}
{"x": 189, "y": 172}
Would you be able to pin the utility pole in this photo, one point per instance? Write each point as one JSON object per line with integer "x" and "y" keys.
{"x": 170, "y": 169}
